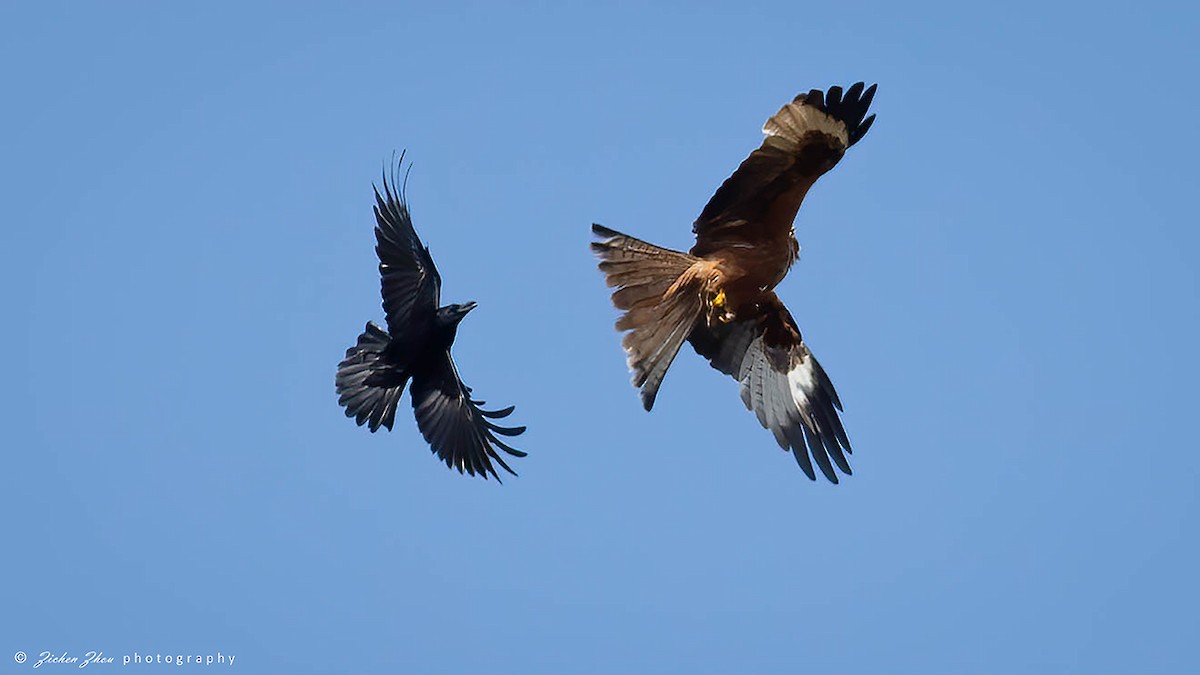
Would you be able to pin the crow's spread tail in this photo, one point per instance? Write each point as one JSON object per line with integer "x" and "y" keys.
{"x": 368, "y": 387}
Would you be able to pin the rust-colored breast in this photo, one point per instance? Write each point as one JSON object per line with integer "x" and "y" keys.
{"x": 750, "y": 272}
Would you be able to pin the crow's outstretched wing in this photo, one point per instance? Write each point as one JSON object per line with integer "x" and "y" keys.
{"x": 411, "y": 283}
{"x": 457, "y": 428}
{"x": 757, "y": 204}
{"x": 782, "y": 383}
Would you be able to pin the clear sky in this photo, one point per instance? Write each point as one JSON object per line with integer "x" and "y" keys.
{"x": 1000, "y": 279}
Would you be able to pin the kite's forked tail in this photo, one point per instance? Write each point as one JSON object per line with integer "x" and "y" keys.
{"x": 662, "y": 294}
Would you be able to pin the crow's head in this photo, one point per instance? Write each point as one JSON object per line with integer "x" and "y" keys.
{"x": 452, "y": 314}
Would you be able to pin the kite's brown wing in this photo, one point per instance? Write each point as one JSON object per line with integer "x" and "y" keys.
{"x": 782, "y": 383}
{"x": 457, "y": 428}
{"x": 806, "y": 138}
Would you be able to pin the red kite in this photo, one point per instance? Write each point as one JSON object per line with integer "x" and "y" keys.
{"x": 719, "y": 296}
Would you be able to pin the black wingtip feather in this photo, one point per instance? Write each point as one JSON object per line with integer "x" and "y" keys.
{"x": 853, "y": 92}
{"x": 817, "y": 449}
{"x": 505, "y": 431}
{"x": 869, "y": 95}
{"x": 861, "y": 130}
{"x": 495, "y": 414}
{"x": 507, "y": 448}
{"x": 849, "y": 107}
{"x": 826, "y": 435}
{"x": 796, "y": 440}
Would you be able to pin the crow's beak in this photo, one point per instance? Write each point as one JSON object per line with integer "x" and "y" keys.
{"x": 468, "y": 306}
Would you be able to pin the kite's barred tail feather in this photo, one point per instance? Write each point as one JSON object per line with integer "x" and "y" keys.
{"x": 658, "y": 322}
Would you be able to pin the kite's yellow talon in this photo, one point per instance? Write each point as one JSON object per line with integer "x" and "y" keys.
{"x": 719, "y": 309}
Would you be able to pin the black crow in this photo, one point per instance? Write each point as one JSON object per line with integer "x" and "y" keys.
{"x": 416, "y": 347}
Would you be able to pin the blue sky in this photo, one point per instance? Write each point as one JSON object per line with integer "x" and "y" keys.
{"x": 1000, "y": 280}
